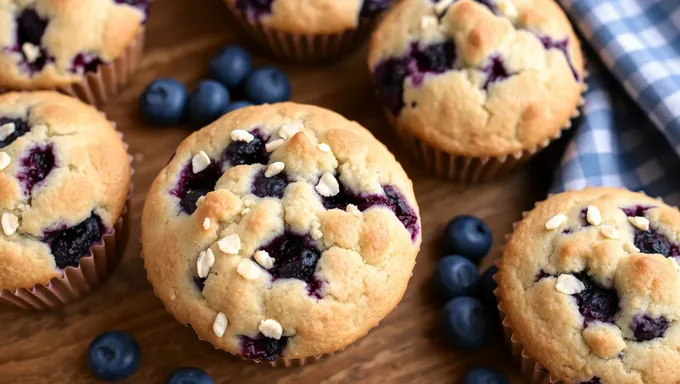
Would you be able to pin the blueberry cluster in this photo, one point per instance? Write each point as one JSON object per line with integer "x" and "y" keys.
{"x": 470, "y": 314}
{"x": 166, "y": 101}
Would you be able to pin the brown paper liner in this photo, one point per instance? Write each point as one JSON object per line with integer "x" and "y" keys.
{"x": 92, "y": 271}
{"x": 97, "y": 88}
{"x": 304, "y": 48}
{"x": 463, "y": 169}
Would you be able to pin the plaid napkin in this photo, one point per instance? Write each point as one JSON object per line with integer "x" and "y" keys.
{"x": 629, "y": 134}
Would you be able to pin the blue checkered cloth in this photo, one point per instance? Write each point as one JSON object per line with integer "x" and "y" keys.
{"x": 629, "y": 133}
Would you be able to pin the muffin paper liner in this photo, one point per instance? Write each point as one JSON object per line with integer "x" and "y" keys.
{"x": 76, "y": 282}
{"x": 471, "y": 170}
{"x": 97, "y": 88}
{"x": 533, "y": 372}
{"x": 304, "y": 48}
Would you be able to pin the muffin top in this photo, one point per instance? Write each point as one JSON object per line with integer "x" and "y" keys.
{"x": 590, "y": 285}
{"x": 281, "y": 230}
{"x": 46, "y": 44}
{"x": 478, "y": 78}
{"x": 64, "y": 179}
{"x": 307, "y": 17}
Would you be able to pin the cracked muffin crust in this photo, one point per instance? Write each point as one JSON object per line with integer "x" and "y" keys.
{"x": 478, "y": 78}
{"x": 281, "y": 231}
{"x": 306, "y": 17}
{"x": 590, "y": 287}
{"x": 64, "y": 181}
{"x": 46, "y": 44}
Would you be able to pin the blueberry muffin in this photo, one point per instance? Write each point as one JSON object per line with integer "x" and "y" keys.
{"x": 305, "y": 30}
{"x": 64, "y": 182}
{"x": 475, "y": 88}
{"x": 281, "y": 232}
{"x": 86, "y": 48}
{"x": 590, "y": 288}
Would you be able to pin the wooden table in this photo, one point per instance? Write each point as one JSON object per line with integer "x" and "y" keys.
{"x": 50, "y": 347}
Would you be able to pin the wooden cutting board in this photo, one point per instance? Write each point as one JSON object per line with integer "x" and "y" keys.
{"x": 50, "y": 347}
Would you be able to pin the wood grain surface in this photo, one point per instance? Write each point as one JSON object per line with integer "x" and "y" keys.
{"x": 50, "y": 347}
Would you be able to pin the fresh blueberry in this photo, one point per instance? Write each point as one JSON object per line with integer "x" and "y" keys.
{"x": 467, "y": 236}
{"x": 163, "y": 102}
{"x": 484, "y": 376}
{"x": 113, "y": 356}
{"x": 237, "y": 105}
{"x": 465, "y": 323}
{"x": 267, "y": 85}
{"x": 487, "y": 285}
{"x": 231, "y": 66}
{"x": 208, "y": 102}
{"x": 190, "y": 375}
{"x": 455, "y": 276}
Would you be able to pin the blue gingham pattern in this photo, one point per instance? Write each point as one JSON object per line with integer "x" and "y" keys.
{"x": 629, "y": 134}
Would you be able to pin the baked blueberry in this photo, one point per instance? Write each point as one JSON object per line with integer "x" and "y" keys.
{"x": 652, "y": 241}
{"x": 35, "y": 167}
{"x": 465, "y": 323}
{"x": 389, "y": 75}
{"x": 267, "y": 85}
{"x": 85, "y": 63}
{"x": 200, "y": 282}
{"x": 636, "y": 210}
{"x": 596, "y": 302}
{"x": 263, "y": 348}
{"x": 192, "y": 186}
{"x": 295, "y": 257}
{"x": 273, "y": 186}
{"x": 242, "y": 152}
{"x": 231, "y": 66}
{"x": 20, "y": 128}
{"x": 68, "y": 245}
{"x": 393, "y": 199}
{"x": 435, "y": 58}
{"x": 646, "y": 327}
{"x": 30, "y": 30}
{"x": 495, "y": 71}
{"x": 455, "y": 276}
{"x": 208, "y": 102}
{"x": 468, "y": 236}
{"x": 163, "y": 102}
{"x": 113, "y": 356}
{"x": 190, "y": 375}
{"x": 594, "y": 380}
{"x": 238, "y": 105}
{"x": 484, "y": 376}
